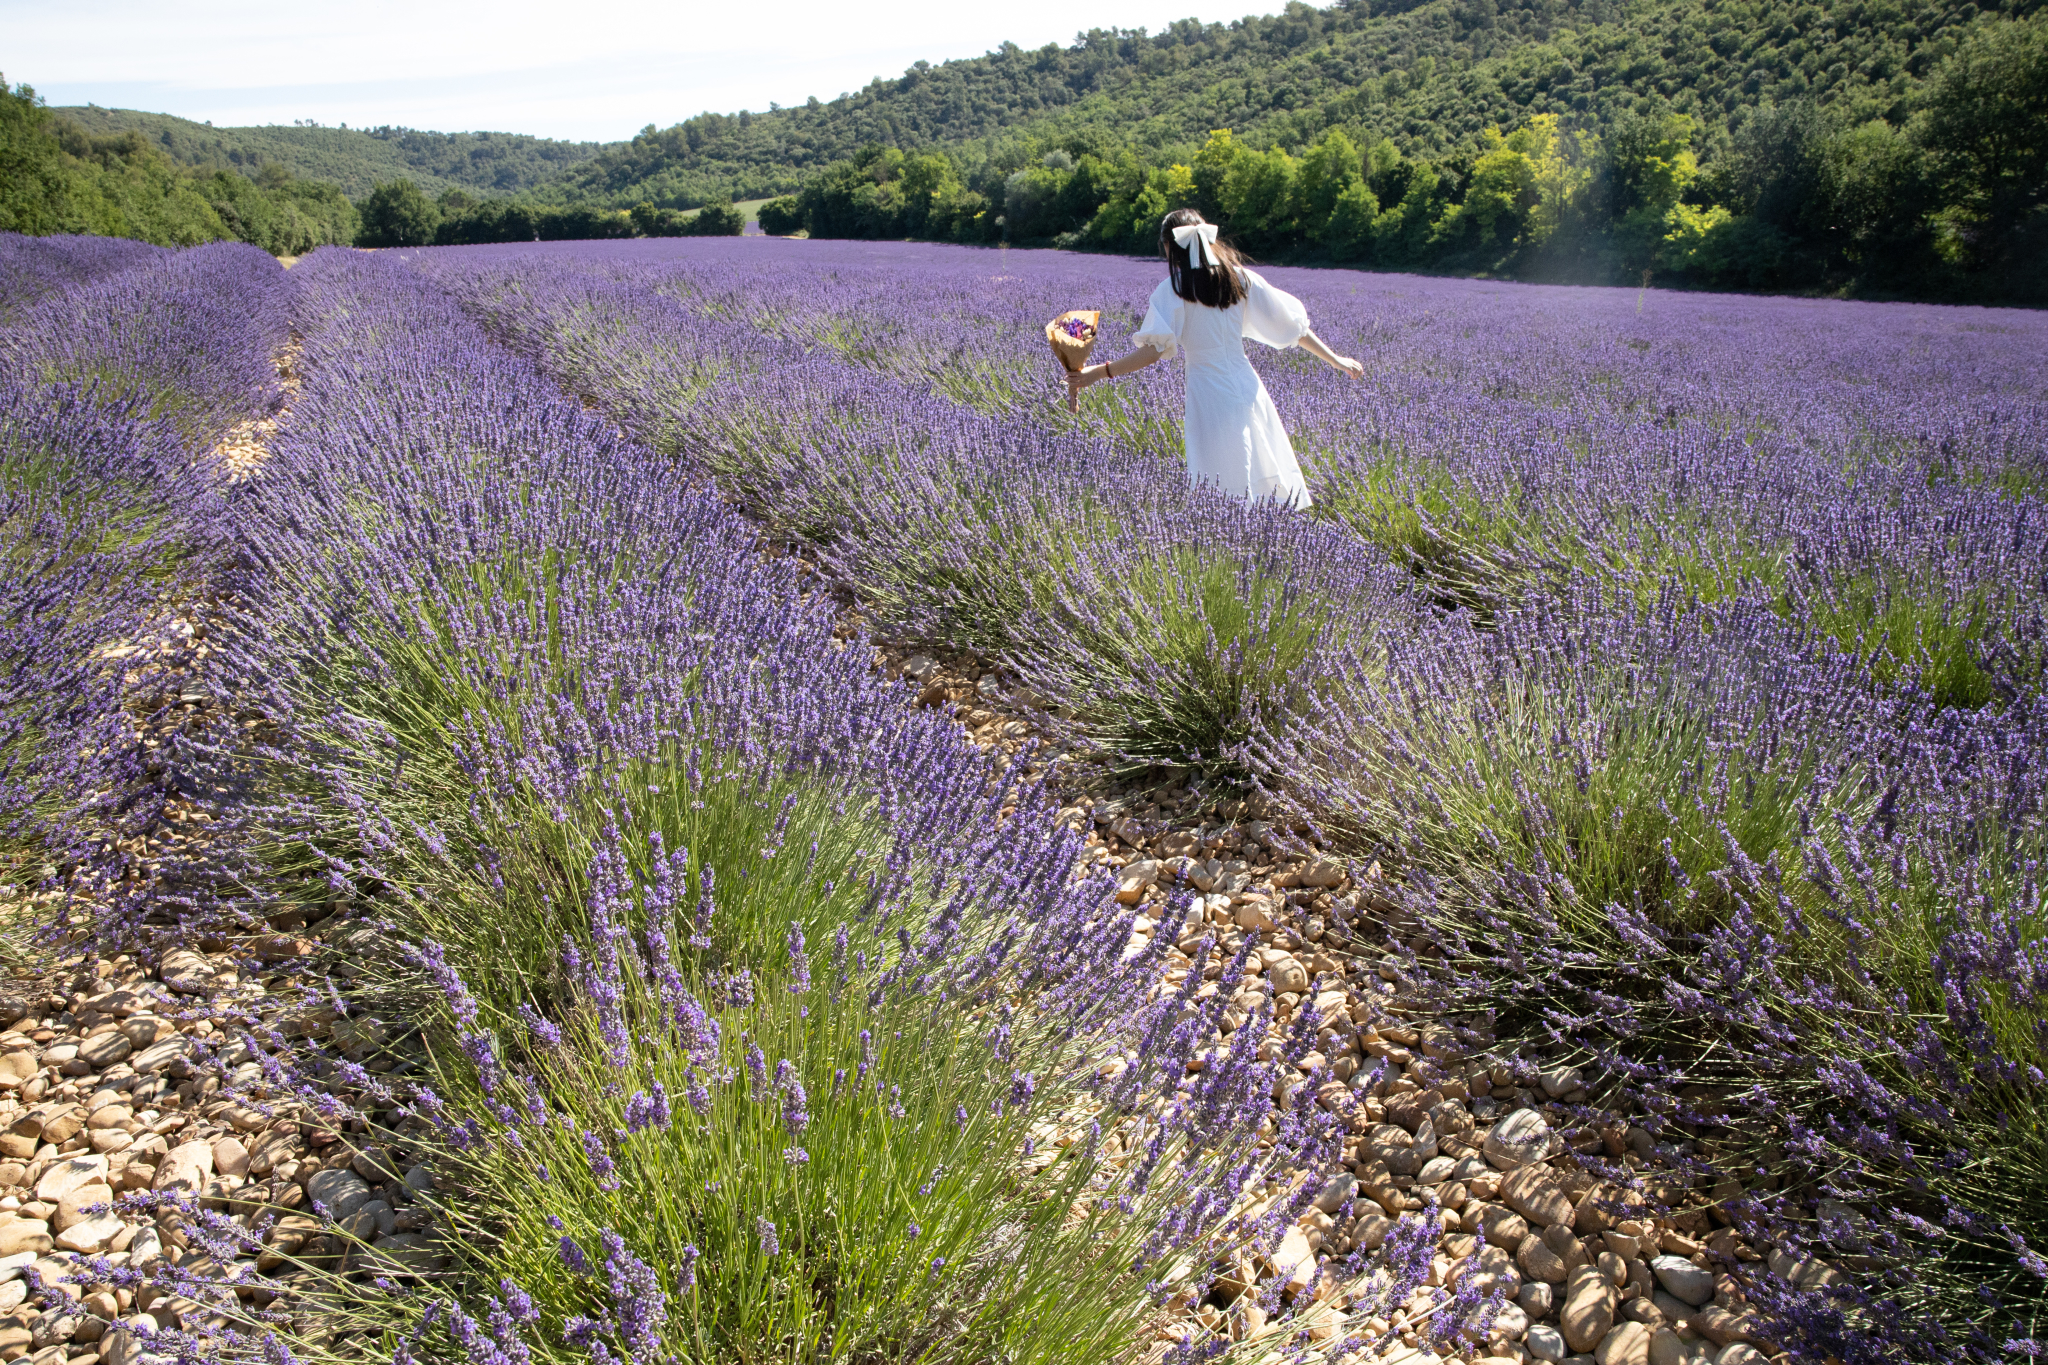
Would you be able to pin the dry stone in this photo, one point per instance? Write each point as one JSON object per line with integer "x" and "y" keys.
{"x": 23, "y": 1234}
{"x": 341, "y": 1192}
{"x": 1690, "y": 1284}
{"x": 69, "y": 1174}
{"x": 103, "y": 1051}
{"x": 1539, "y": 1262}
{"x": 1602, "y": 1206}
{"x": 89, "y": 1236}
{"x": 1295, "y": 1259}
{"x": 71, "y": 1210}
{"x": 1397, "y": 1147}
{"x": 1628, "y": 1344}
{"x": 186, "y": 1168}
{"x": 1503, "y": 1227}
{"x": 1533, "y": 1191}
{"x": 1669, "y": 1348}
{"x": 159, "y": 1056}
{"x": 56, "y": 1121}
{"x": 1520, "y": 1138}
{"x": 1369, "y": 1230}
{"x": 1288, "y": 975}
{"x": 186, "y": 972}
{"x": 230, "y": 1157}
{"x": 1336, "y": 1190}
{"x": 1590, "y": 1302}
{"x": 1720, "y": 1326}
{"x": 1545, "y": 1342}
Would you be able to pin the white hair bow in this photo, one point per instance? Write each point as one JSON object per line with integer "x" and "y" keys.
{"x": 1197, "y": 238}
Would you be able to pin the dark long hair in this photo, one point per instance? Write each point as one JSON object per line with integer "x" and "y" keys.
{"x": 1220, "y": 285}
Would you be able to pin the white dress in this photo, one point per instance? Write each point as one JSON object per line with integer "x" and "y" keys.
{"x": 1234, "y": 436}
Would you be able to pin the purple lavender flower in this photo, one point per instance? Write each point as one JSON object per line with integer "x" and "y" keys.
{"x": 544, "y": 1030}
{"x": 799, "y": 965}
{"x": 796, "y": 1113}
{"x": 602, "y": 1166}
{"x": 639, "y": 1306}
{"x": 645, "y": 1110}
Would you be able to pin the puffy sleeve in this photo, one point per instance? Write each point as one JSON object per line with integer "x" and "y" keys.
{"x": 1161, "y": 328}
{"x": 1272, "y": 315}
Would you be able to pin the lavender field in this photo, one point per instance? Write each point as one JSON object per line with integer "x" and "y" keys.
{"x": 665, "y": 800}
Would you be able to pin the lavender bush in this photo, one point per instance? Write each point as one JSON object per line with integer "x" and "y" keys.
{"x": 1697, "y": 846}
{"x": 1892, "y": 498}
{"x": 191, "y": 337}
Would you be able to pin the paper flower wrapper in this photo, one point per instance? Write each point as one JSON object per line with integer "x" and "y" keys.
{"x": 1072, "y": 335}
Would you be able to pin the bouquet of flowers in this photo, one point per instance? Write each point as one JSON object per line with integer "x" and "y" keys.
{"x": 1072, "y": 335}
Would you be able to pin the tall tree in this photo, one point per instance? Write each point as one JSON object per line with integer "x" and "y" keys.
{"x": 1985, "y": 126}
{"x": 397, "y": 214}
{"x": 31, "y": 164}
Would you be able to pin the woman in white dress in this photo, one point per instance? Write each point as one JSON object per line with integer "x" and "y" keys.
{"x": 1206, "y": 306}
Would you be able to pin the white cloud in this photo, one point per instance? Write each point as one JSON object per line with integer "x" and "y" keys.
{"x": 601, "y": 69}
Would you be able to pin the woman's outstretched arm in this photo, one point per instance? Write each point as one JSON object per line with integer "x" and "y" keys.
{"x": 1080, "y": 379}
{"x": 1313, "y": 344}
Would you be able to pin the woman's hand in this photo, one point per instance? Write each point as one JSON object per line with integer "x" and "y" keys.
{"x": 1080, "y": 379}
{"x": 1343, "y": 364}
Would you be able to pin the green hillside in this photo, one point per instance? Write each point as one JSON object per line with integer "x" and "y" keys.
{"x": 55, "y": 176}
{"x": 1432, "y": 77}
{"x": 356, "y": 159}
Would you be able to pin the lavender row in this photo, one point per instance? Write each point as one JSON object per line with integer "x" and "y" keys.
{"x": 33, "y": 266}
{"x": 1509, "y": 437}
{"x": 765, "y": 1015}
{"x": 192, "y": 336}
{"x": 1955, "y": 386}
{"x": 1713, "y": 857}
{"x": 1164, "y": 619}
{"x": 113, "y": 388}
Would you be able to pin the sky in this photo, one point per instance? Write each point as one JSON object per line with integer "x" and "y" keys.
{"x": 596, "y": 70}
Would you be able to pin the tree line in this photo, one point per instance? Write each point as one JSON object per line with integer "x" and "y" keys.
{"x": 357, "y": 159}
{"x": 57, "y": 177}
{"x": 1946, "y": 197}
{"x": 400, "y": 214}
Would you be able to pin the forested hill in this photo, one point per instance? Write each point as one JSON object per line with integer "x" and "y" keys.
{"x": 355, "y": 159}
{"x": 1431, "y": 76}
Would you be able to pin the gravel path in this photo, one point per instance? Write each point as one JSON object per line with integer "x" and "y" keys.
{"x": 1597, "y": 1247}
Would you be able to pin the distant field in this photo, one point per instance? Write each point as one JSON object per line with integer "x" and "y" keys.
{"x": 749, "y": 208}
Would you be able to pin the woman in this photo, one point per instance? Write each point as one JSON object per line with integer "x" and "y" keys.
{"x": 1207, "y": 304}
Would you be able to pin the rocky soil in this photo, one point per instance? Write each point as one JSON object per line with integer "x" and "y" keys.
{"x": 1590, "y": 1270}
